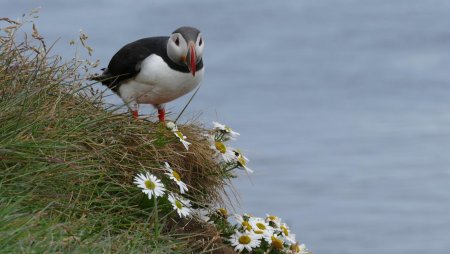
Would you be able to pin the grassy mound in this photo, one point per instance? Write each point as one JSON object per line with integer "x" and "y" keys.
{"x": 67, "y": 165}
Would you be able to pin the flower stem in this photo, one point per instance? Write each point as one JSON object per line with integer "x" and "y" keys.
{"x": 156, "y": 223}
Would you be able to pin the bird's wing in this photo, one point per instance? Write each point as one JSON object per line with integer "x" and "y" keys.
{"x": 126, "y": 63}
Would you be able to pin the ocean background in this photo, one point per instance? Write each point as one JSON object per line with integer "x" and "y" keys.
{"x": 343, "y": 106}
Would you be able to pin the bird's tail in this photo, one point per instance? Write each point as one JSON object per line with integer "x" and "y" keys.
{"x": 106, "y": 79}
{"x": 100, "y": 77}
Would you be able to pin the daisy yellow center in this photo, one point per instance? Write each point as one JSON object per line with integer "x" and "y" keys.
{"x": 261, "y": 226}
{"x": 277, "y": 243}
{"x": 244, "y": 239}
{"x": 223, "y": 211}
{"x": 179, "y": 134}
{"x": 246, "y": 225}
{"x": 272, "y": 217}
{"x": 295, "y": 248}
{"x": 259, "y": 232}
{"x": 149, "y": 185}
{"x": 220, "y": 147}
{"x": 176, "y": 175}
{"x": 178, "y": 204}
{"x": 241, "y": 161}
{"x": 285, "y": 230}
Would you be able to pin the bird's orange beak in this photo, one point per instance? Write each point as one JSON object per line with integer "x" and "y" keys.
{"x": 191, "y": 59}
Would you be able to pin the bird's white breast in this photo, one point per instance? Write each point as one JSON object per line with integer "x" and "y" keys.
{"x": 157, "y": 83}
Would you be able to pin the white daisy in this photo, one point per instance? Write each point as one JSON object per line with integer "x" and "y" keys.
{"x": 246, "y": 240}
{"x": 261, "y": 228}
{"x": 265, "y": 235}
{"x": 174, "y": 128}
{"x": 241, "y": 160}
{"x": 150, "y": 185}
{"x": 222, "y": 152}
{"x": 247, "y": 215}
{"x": 225, "y": 132}
{"x": 303, "y": 249}
{"x": 277, "y": 243}
{"x": 223, "y": 212}
{"x": 182, "y": 139}
{"x": 181, "y": 205}
{"x": 258, "y": 223}
{"x": 175, "y": 176}
{"x": 298, "y": 249}
{"x": 243, "y": 221}
{"x": 286, "y": 233}
{"x": 273, "y": 221}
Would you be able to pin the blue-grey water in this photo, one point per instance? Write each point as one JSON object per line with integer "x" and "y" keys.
{"x": 343, "y": 106}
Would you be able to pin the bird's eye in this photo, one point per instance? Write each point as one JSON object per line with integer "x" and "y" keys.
{"x": 177, "y": 41}
{"x": 200, "y": 42}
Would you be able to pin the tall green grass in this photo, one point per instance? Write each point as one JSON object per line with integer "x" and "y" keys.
{"x": 67, "y": 164}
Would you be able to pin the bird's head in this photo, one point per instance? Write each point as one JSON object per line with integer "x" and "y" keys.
{"x": 185, "y": 47}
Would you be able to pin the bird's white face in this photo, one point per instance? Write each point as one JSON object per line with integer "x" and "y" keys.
{"x": 185, "y": 52}
{"x": 199, "y": 45}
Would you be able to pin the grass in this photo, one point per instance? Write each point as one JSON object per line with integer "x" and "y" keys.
{"x": 67, "y": 164}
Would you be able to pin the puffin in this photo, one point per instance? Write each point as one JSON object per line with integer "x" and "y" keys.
{"x": 156, "y": 70}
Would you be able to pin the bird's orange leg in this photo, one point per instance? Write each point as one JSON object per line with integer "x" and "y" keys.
{"x": 135, "y": 114}
{"x": 134, "y": 109}
{"x": 162, "y": 115}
